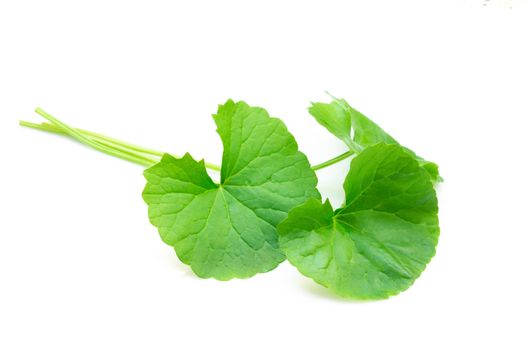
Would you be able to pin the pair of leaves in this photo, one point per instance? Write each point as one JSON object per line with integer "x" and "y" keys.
{"x": 374, "y": 246}
{"x": 386, "y": 232}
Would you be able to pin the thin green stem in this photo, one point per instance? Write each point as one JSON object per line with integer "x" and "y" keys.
{"x": 53, "y": 129}
{"x": 130, "y": 146}
{"x": 132, "y": 157}
{"x": 128, "y": 151}
{"x": 333, "y": 160}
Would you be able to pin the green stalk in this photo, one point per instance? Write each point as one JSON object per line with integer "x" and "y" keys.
{"x": 129, "y": 156}
{"x": 108, "y": 141}
{"x": 122, "y": 143}
{"x": 128, "y": 151}
{"x": 93, "y": 135}
{"x": 53, "y": 129}
{"x": 333, "y": 160}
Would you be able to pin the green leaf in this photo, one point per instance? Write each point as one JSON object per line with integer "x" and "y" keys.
{"x": 380, "y": 241}
{"x": 357, "y": 131}
{"x": 228, "y": 230}
{"x": 335, "y": 119}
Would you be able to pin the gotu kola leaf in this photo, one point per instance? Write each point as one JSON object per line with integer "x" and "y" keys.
{"x": 228, "y": 230}
{"x": 380, "y": 241}
{"x": 357, "y": 131}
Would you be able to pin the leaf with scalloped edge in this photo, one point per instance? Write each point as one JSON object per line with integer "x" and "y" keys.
{"x": 381, "y": 240}
{"x": 228, "y": 230}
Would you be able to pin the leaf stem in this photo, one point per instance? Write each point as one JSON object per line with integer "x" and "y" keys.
{"x": 128, "y": 151}
{"x": 122, "y": 146}
{"x": 75, "y": 134}
{"x": 333, "y": 160}
{"x": 53, "y": 129}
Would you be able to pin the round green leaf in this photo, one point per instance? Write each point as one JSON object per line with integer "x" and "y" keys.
{"x": 380, "y": 241}
{"x": 228, "y": 230}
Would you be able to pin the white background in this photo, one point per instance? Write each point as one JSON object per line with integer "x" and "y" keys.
{"x": 82, "y": 268}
